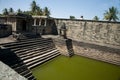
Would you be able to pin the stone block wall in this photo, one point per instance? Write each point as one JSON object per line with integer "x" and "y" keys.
{"x": 43, "y": 29}
{"x": 64, "y": 46}
{"x": 5, "y": 30}
{"x": 102, "y": 53}
{"x": 101, "y": 32}
{"x": 98, "y": 40}
{"x": 36, "y": 29}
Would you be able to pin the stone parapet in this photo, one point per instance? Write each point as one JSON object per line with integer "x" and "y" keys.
{"x": 98, "y": 32}
{"x": 7, "y": 73}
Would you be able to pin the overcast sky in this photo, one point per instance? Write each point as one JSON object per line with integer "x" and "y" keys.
{"x": 65, "y": 8}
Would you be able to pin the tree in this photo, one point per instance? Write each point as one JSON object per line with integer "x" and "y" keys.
{"x": 72, "y": 17}
{"x": 19, "y": 11}
{"x": 96, "y": 18}
{"x": 11, "y": 10}
{"x": 5, "y": 11}
{"x": 33, "y": 8}
{"x": 39, "y": 11}
{"x": 46, "y": 11}
{"x": 27, "y": 12}
{"x": 111, "y": 14}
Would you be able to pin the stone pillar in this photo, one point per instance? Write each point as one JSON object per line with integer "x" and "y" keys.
{"x": 45, "y": 22}
{"x": 34, "y": 21}
{"x": 40, "y": 22}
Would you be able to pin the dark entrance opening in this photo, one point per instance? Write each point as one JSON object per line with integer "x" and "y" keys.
{"x": 24, "y": 25}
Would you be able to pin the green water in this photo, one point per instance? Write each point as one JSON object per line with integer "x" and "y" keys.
{"x": 76, "y": 68}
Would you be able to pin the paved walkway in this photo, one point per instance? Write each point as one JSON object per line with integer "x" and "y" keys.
{"x": 7, "y": 40}
{"x": 50, "y": 36}
{"x": 10, "y": 39}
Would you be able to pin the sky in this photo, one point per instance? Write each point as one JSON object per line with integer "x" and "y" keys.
{"x": 65, "y": 8}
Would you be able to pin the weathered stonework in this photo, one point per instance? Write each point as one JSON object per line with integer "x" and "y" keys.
{"x": 91, "y": 31}
{"x": 98, "y": 40}
{"x": 101, "y": 33}
{"x": 5, "y": 30}
{"x": 6, "y": 73}
{"x": 64, "y": 46}
{"x": 102, "y": 53}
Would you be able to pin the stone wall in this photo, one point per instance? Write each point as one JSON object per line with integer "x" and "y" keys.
{"x": 5, "y": 30}
{"x": 101, "y": 32}
{"x": 6, "y": 73}
{"x": 3, "y": 20}
{"x": 94, "y": 39}
{"x": 102, "y": 53}
{"x": 64, "y": 46}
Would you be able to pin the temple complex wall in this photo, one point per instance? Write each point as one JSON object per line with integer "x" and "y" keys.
{"x": 98, "y": 40}
{"x": 5, "y": 30}
{"x": 96, "y": 32}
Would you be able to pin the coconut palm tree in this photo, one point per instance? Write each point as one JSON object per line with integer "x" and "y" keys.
{"x": 38, "y": 11}
{"x": 96, "y": 18}
{"x": 33, "y": 7}
{"x": 5, "y": 11}
{"x": 19, "y": 11}
{"x": 111, "y": 14}
{"x": 46, "y": 11}
{"x": 11, "y": 10}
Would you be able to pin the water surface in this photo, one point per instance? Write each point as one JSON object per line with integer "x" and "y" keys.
{"x": 76, "y": 68}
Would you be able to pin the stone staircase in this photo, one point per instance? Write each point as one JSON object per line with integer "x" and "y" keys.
{"x": 24, "y": 35}
{"x": 32, "y": 52}
{"x": 13, "y": 61}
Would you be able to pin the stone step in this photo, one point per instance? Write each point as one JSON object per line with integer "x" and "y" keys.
{"x": 37, "y": 57}
{"x": 28, "y": 44}
{"x": 40, "y": 59}
{"x": 31, "y": 48}
{"x": 17, "y": 65}
{"x": 20, "y": 68}
{"x": 23, "y": 42}
{"x": 35, "y": 53}
{"x": 12, "y": 62}
{"x": 31, "y": 77}
{"x": 28, "y": 74}
{"x": 38, "y": 63}
{"x": 24, "y": 72}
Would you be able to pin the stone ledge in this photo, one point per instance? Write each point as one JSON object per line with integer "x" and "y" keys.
{"x": 6, "y": 73}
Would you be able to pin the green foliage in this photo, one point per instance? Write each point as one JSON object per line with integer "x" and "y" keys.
{"x": 19, "y": 11}
{"x": 111, "y": 14}
{"x": 27, "y": 12}
{"x": 5, "y": 11}
{"x": 39, "y": 11}
{"x": 72, "y": 17}
{"x": 33, "y": 6}
{"x": 46, "y": 11}
{"x": 11, "y": 10}
{"x": 35, "y": 10}
{"x": 96, "y": 18}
